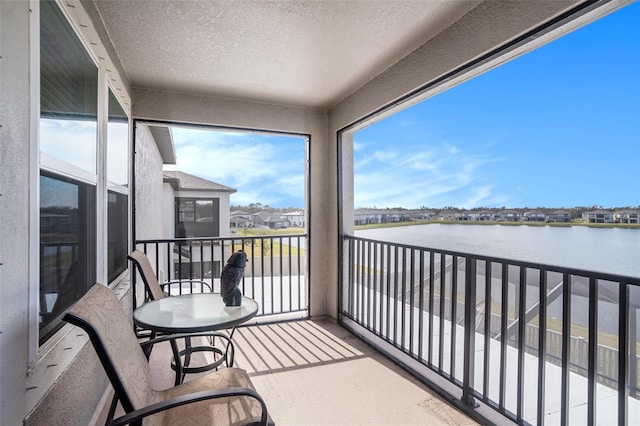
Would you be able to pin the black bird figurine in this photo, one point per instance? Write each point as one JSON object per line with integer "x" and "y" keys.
{"x": 231, "y": 277}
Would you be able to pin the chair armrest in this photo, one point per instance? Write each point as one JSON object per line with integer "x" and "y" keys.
{"x": 191, "y": 398}
{"x": 190, "y": 282}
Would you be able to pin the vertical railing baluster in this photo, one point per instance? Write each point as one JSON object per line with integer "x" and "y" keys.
{"x": 542, "y": 346}
{"x": 487, "y": 326}
{"x": 350, "y": 307}
{"x": 431, "y": 296}
{"x": 388, "y": 293}
{"x": 179, "y": 262}
{"x": 300, "y": 280}
{"x": 421, "y": 307}
{"x": 454, "y": 313}
{"x": 253, "y": 247}
{"x": 443, "y": 290}
{"x": 593, "y": 341}
{"x": 201, "y": 278}
{"x": 623, "y": 336}
{"x": 360, "y": 287}
{"x": 369, "y": 279}
{"x": 633, "y": 349}
{"x": 170, "y": 272}
{"x": 254, "y": 269}
{"x": 395, "y": 296}
{"x": 290, "y": 274}
{"x": 403, "y": 299}
{"x": 212, "y": 265}
{"x": 504, "y": 312}
{"x": 280, "y": 274}
{"x": 376, "y": 326}
{"x": 566, "y": 338}
{"x": 469, "y": 331}
{"x": 522, "y": 307}
{"x": 190, "y": 264}
{"x": 412, "y": 274}
{"x": 271, "y": 267}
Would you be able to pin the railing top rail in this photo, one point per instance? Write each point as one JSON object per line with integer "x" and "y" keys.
{"x": 605, "y": 276}
{"x": 228, "y": 238}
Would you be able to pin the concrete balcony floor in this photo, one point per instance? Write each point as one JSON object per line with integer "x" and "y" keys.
{"x": 315, "y": 372}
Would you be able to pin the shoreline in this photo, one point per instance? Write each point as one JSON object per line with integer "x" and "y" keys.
{"x": 487, "y": 223}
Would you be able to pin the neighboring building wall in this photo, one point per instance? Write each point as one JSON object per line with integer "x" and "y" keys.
{"x": 149, "y": 188}
{"x": 151, "y": 211}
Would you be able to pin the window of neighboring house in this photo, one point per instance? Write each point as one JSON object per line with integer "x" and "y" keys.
{"x": 197, "y": 217}
{"x": 69, "y": 180}
{"x": 118, "y": 184}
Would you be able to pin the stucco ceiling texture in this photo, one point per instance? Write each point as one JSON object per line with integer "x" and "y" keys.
{"x": 306, "y": 53}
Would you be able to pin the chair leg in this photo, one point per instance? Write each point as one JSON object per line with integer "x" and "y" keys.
{"x": 112, "y": 409}
{"x": 149, "y": 348}
{"x": 178, "y": 362}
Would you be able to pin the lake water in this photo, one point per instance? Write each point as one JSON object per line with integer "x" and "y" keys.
{"x": 612, "y": 250}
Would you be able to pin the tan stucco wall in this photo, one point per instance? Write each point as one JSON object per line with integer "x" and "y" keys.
{"x": 40, "y": 385}
{"x": 14, "y": 203}
{"x": 75, "y": 397}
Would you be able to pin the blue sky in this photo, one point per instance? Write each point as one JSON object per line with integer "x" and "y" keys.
{"x": 265, "y": 169}
{"x": 557, "y": 127}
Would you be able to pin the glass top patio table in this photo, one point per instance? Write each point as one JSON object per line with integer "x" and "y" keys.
{"x": 191, "y": 313}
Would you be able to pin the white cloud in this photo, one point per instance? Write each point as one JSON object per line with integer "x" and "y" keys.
{"x": 71, "y": 141}
{"x": 434, "y": 176}
{"x": 264, "y": 169}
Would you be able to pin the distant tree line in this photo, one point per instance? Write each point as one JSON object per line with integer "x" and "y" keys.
{"x": 575, "y": 212}
{"x": 259, "y": 207}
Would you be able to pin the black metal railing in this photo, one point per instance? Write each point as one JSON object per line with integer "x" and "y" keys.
{"x": 275, "y": 274}
{"x": 525, "y": 339}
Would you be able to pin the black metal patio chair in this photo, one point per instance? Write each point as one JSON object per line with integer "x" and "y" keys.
{"x": 220, "y": 397}
{"x": 156, "y": 290}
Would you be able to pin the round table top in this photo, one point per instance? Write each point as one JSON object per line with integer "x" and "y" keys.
{"x": 190, "y": 313}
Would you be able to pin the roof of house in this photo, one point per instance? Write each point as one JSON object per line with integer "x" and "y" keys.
{"x": 185, "y": 182}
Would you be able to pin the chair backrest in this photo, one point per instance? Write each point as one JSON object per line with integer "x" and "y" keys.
{"x": 101, "y": 315}
{"x": 140, "y": 259}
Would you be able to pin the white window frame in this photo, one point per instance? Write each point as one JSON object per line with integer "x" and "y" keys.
{"x": 107, "y": 79}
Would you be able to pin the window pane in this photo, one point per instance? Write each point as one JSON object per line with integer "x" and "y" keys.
{"x": 185, "y": 213}
{"x": 197, "y": 218}
{"x": 67, "y": 247}
{"x": 117, "y": 143}
{"x": 117, "y": 230}
{"x": 68, "y": 92}
{"x": 204, "y": 210}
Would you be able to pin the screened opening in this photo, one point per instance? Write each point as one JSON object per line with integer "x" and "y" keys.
{"x": 229, "y": 189}
{"x": 515, "y": 187}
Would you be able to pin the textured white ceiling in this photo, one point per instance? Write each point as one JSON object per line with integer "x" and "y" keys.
{"x": 308, "y": 53}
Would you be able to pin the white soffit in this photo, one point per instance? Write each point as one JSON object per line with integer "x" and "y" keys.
{"x": 311, "y": 53}
{"x": 164, "y": 141}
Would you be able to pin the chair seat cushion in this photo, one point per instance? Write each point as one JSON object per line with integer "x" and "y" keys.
{"x": 237, "y": 410}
